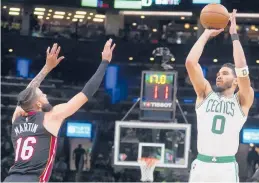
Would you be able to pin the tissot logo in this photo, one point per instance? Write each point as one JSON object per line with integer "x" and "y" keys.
{"x": 158, "y": 104}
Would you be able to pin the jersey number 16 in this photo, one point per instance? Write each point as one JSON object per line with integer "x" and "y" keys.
{"x": 24, "y": 148}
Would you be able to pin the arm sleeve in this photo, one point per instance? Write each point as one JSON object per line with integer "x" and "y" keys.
{"x": 94, "y": 83}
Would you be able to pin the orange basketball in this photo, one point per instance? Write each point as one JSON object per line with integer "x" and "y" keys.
{"x": 214, "y": 16}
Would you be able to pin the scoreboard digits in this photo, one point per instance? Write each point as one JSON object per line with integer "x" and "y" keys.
{"x": 157, "y": 79}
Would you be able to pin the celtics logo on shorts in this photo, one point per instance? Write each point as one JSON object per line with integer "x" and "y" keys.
{"x": 214, "y": 159}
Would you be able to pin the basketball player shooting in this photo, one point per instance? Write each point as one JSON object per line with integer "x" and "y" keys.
{"x": 34, "y": 136}
{"x": 221, "y": 113}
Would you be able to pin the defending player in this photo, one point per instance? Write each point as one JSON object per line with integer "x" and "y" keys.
{"x": 34, "y": 136}
{"x": 220, "y": 113}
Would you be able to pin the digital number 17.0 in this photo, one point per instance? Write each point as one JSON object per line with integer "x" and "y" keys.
{"x": 157, "y": 79}
{"x": 166, "y": 91}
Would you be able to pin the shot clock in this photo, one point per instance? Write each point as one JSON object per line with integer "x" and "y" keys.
{"x": 158, "y": 90}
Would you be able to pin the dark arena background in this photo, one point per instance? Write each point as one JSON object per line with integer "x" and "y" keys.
{"x": 146, "y": 102}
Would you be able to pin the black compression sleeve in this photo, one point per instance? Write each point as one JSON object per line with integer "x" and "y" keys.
{"x": 94, "y": 83}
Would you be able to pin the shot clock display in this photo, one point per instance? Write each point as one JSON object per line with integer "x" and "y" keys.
{"x": 157, "y": 86}
{"x": 157, "y": 90}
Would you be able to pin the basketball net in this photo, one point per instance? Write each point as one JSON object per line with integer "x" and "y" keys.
{"x": 147, "y": 167}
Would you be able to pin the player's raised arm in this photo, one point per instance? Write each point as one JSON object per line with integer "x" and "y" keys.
{"x": 200, "y": 84}
{"x": 246, "y": 92}
{"x": 62, "y": 111}
{"x": 52, "y": 61}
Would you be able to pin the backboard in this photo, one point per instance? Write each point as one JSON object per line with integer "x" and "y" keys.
{"x": 168, "y": 142}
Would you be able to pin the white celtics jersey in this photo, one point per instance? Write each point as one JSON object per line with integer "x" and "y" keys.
{"x": 219, "y": 121}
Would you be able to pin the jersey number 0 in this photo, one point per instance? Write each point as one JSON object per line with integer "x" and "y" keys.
{"x": 218, "y": 124}
{"x": 24, "y": 148}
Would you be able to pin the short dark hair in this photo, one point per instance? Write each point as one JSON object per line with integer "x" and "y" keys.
{"x": 26, "y": 98}
{"x": 231, "y": 66}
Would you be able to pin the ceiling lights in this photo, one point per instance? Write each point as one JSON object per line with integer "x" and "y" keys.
{"x": 186, "y": 26}
{"x": 99, "y": 16}
{"x": 60, "y": 12}
{"x": 67, "y": 14}
{"x": 98, "y": 20}
{"x": 58, "y": 16}
{"x": 38, "y": 13}
{"x": 14, "y": 11}
{"x": 39, "y": 9}
{"x": 81, "y": 12}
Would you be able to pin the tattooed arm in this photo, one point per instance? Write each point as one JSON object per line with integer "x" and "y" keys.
{"x": 52, "y": 61}
{"x": 34, "y": 83}
{"x": 40, "y": 77}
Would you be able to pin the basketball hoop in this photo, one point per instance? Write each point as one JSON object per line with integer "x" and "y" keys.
{"x": 147, "y": 167}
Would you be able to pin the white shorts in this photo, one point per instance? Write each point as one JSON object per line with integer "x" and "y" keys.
{"x": 213, "y": 172}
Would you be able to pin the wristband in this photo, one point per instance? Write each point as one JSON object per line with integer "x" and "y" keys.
{"x": 242, "y": 72}
{"x": 234, "y": 37}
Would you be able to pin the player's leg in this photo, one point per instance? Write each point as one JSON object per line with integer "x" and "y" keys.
{"x": 222, "y": 172}
{"x": 201, "y": 172}
{"x": 21, "y": 178}
{"x": 196, "y": 173}
{"x": 230, "y": 172}
{"x": 77, "y": 164}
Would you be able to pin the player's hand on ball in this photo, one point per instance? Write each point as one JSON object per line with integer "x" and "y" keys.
{"x": 213, "y": 32}
{"x": 52, "y": 59}
{"x": 107, "y": 50}
{"x": 233, "y": 26}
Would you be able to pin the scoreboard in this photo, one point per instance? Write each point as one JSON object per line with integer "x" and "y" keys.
{"x": 158, "y": 90}
{"x": 144, "y": 4}
{"x": 163, "y": 5}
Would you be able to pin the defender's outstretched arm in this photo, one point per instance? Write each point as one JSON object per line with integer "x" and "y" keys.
{"x": 62, "y": 111}
{"x": 52, "y": 61}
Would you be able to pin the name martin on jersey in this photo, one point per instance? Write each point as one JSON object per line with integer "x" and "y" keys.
{"x": 25, "y": 127}
{"x": 226, "y": 107}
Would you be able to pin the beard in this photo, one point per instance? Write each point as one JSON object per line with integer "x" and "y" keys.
{"x": 219, "y": 89}
{"x": 46, "y": 107}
